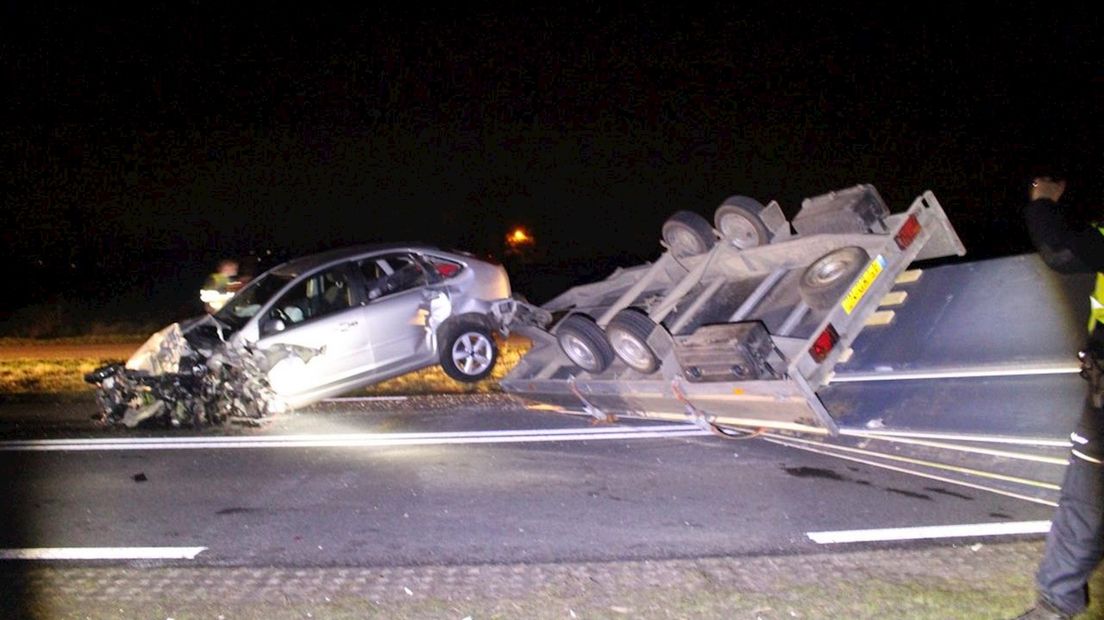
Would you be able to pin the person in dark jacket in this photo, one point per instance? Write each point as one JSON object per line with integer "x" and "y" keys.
{"x": 1075, "y": 543}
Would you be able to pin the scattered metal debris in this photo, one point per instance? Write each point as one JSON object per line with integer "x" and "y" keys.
{"x": 179, "y": 377}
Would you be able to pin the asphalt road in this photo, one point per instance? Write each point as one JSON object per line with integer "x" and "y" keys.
{"x": 447, "y": 481}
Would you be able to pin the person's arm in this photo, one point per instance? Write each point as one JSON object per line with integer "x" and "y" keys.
{"x": 1063, "y": 247}
{"x": 1051, "y": 235}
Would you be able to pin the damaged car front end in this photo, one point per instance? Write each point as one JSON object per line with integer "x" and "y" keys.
{"x": 179, "y": 382}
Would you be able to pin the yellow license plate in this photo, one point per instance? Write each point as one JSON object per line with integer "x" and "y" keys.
{"x": 863, "y": 284}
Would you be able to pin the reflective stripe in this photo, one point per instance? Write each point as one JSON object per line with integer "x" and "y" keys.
{"x": 1075, "y": 438}
{"x": 1096, "y": 301}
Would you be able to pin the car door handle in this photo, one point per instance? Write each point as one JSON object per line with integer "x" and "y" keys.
{"x": 347, "y": 325}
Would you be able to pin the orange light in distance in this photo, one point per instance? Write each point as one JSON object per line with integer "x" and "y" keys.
{"x": 519, "y": 237}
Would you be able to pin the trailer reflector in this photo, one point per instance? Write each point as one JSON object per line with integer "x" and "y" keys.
{"x": 908, "y": 232}
{"x": 823, "y": 344}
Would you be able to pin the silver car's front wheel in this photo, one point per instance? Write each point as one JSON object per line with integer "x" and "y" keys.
{"x": 469, "y": 353}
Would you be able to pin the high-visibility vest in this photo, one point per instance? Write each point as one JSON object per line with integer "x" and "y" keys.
{"x": 1096, "y": 302}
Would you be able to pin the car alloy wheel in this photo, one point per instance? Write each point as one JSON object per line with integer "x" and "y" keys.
{"x": 472, "y": 353}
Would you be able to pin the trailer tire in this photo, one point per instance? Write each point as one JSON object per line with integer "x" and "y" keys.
{"x": 628, "y": 333}
{"x": 688, "y": 234}
{"x": 829, "y": 276}
{"x": 467, "y": 352}
{"x": 738, "y": 221}
{"x": 584, "y": 343}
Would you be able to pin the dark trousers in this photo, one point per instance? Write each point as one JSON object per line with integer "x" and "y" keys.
{"x": 1075, "y": 544}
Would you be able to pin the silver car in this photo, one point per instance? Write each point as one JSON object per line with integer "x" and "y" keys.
{"x": 315, "y": 327}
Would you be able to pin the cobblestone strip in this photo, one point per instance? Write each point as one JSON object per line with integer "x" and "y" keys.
{"x": 746, "y": 574}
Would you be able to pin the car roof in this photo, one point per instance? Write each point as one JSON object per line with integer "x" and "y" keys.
{"x": 304, "y": 264}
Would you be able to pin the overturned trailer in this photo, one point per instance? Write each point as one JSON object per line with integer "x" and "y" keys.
{"x": 735, "y": 326}
{"x": 820, "y": 335}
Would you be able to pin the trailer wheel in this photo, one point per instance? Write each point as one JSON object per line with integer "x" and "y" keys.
{"x": 824, "y": 281}
{"x": 628, "y": 333}
{"x": 468, "y": 352}
{"x": 687, "y": 234}
{"x": 584, "y": 343}
{"x": 738, "y": 221}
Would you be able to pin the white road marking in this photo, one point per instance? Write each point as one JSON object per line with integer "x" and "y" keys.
{"x": 960, "y": 373}
{"x": 363, "y": 399}
{"x": 912, "y": 472}
{"x": 102, "y": 553}
{"x": 928, "y": 532}
{"x": 348, "y": 440}
{"x": 1028, "y": 441}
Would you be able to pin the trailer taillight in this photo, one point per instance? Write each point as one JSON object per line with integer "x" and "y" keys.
{"x": 823, "y": 344}
{"x": 909, "y": 230}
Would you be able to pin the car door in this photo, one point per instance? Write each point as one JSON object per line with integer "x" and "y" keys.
{"x": 396, "y": 307}
{"x": 322, "y": 320}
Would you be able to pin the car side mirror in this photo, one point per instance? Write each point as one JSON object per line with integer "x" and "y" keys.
{"x": 272, "y": 326}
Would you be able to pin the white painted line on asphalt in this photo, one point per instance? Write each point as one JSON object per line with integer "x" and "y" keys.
{"x": 102, "y": 553}
{"x": 349, "y": 440}
{"x": 365, "y": 399}
{"x": 919, "y": 462}
{"x": 912, "y": 472}
{"x": 961, "y": 373}
{"x": 939, "y": 445}
{"x": 929, "y": 532}
{"x": 964, "y": 437}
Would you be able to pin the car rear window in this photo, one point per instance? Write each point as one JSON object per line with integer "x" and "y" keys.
{"x": 445, "y": 268}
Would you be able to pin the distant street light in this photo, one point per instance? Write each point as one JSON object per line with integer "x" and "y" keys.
{"x": 519, "y": 239}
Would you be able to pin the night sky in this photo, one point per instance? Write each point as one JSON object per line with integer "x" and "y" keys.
{"x": 140, "y": 145}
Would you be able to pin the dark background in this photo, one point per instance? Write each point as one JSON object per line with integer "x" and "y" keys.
{"x": 141, "y": 144}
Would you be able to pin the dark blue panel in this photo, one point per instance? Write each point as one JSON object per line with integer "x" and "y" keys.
{"x": 1045, "y": 406}
{"x": 995, "y": 312}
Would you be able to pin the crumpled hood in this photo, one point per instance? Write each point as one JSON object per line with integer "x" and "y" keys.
{"x": 161, "y": 353}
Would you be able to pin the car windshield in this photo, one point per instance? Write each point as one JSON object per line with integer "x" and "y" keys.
{"x": 249, "y": 301}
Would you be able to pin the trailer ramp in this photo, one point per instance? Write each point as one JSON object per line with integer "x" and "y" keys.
{"x": 985, "y": 395}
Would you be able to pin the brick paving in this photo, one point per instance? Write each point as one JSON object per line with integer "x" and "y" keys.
{"x": 180, "y": 591}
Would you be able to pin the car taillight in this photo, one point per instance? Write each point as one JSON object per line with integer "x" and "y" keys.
{"x": 823, "y": 344}
{"x": 909, "y": 230}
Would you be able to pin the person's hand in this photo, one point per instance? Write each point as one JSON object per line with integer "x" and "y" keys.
{"x": 1048, "y": 188}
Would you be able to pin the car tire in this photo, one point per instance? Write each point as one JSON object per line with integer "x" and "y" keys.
{"x": 584, "y": 343}
{"x": 468, "y": 352}
{"x": 829, "y": 276}
{"x": 688, "y": 234}
{"x": 628, "y": 334}
{"x": 739, "y": 222}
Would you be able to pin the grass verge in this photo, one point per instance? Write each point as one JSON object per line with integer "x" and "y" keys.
{"x": 24, "y": 376}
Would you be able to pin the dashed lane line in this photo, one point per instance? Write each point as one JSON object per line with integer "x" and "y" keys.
{"x": 102, "y": 553}
{"x": 930, "y": 532}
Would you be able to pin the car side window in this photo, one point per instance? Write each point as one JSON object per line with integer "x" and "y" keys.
{"x": 317, "y": 296}
{"x": 390, "y": 274}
